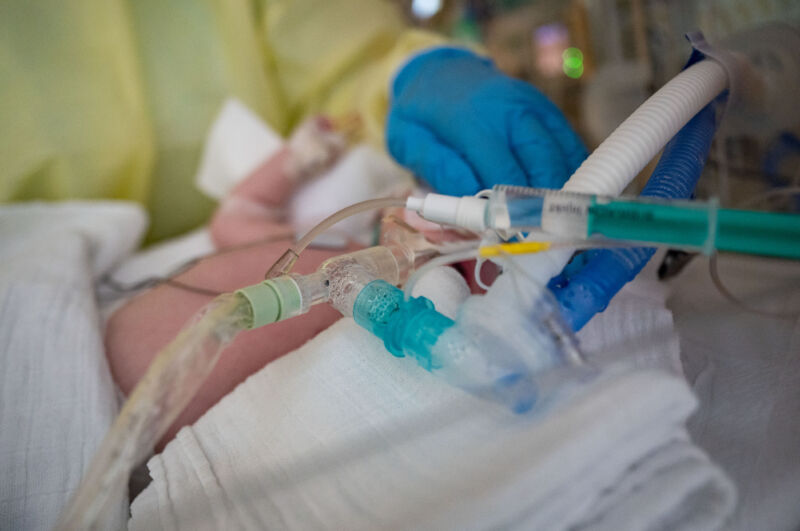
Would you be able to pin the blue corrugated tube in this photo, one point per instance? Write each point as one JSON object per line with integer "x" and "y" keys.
{"x": 592, "y": 278}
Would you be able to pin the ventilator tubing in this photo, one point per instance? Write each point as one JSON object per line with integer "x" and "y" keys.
{"x": 587, "y": 284}
{"x": 611, "y": 167}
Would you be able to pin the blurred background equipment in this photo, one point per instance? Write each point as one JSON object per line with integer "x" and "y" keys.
{"x": 599, "y": 59}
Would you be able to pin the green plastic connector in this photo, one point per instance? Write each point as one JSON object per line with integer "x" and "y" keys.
{"x": 273, "y": 300}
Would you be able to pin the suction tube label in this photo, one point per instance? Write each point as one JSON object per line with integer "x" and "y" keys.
{"x": 565, "y": 214}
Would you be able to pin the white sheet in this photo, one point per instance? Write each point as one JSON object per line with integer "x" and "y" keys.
{"x": 341, "y": 435}
{"x": 56, "y": 396}
{"x": 745, "y": 369}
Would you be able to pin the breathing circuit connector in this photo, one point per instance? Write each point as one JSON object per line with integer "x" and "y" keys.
{"x": 472, "y": 352}
{"x": 273, "y": 300}
{"x": 337, "y": 279}
{"x": 465, "y": 353}
{"x": 406, "y": 326}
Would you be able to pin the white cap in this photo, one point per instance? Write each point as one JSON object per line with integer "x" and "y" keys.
{"x": 465, "y": 212}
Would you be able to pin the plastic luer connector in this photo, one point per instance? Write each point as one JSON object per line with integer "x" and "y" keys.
{"x": 519, "y": 208}
{"x": 407, "y": 327}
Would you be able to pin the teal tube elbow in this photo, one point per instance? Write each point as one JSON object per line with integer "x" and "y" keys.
{"x": 407, "y": 327}
{"x": 413, "y": 328}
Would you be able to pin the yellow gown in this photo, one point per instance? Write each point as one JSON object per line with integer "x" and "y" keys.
{"x": 113, "y": 98}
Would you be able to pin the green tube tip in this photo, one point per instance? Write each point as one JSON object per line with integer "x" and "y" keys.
{"x": 272, "y": 300}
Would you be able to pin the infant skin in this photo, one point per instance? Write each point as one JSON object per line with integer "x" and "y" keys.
{"x": 252, "y": 212}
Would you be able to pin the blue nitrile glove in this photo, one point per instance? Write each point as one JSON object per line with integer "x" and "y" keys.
{"x": 462, "y": 125}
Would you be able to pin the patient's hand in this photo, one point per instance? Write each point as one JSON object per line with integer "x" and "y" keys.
{"x": 256, "y": 207}
{"x": 437, "y": 234}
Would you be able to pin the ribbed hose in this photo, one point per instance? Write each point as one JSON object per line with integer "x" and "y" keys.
{"x": 591, "y": 280}
{"x": 613, "y": 165}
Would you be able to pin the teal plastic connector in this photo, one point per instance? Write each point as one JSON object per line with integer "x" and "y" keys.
{"x": 407, "y": 327}
{"x": 273, "y": 300}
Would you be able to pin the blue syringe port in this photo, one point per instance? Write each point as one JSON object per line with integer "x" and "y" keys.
{"x": 407, "y": 327}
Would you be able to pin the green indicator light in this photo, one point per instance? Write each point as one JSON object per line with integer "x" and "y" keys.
{"x": 572, "y": 62}
{"x": 574, "y": 73}
{"x": 572, "y": 53}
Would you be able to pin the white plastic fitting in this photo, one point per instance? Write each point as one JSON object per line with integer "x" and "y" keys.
{"x": 465, "y": 212}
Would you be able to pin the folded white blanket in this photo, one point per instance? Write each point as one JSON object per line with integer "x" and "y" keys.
{"x": 56, "y": 395}
{"x": 341, "y": 435}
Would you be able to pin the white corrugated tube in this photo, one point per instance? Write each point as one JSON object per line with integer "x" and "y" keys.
{"x": 614, "y": 164}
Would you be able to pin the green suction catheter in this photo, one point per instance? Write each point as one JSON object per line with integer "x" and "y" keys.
{"x": 696, "y": 225}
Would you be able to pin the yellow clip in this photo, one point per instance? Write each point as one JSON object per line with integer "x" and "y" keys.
{"x": 491, "y": 251}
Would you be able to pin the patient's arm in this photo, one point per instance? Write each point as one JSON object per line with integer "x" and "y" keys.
{"x": 254, "y": 210}
{"x": 140, "y": 329}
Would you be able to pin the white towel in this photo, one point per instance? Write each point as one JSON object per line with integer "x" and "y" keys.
{"x": 237, "y": 142}
{"x": 341, "y": 435}
{"x": 57, "y": 399}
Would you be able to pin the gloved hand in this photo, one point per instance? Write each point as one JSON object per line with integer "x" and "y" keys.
{"x": 462, "y": 125}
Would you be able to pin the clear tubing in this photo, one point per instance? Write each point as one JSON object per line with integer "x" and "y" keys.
{"x": 287, "y": 260}
{"x": 392, "y": 265}
{"x": 313, "y": 289}
{"x": 169, "y": 384}
{"x": 287, "y": 296}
